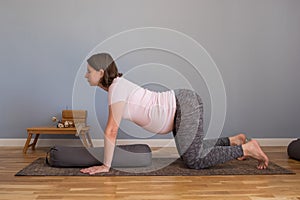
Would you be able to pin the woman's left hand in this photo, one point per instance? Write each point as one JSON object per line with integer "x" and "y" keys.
{"x": 95, "y": 169}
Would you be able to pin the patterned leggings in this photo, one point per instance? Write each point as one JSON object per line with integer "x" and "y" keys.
{"x": 197, "y": 152}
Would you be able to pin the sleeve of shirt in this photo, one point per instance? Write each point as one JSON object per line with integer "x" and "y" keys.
{"x": 118, "y": 91}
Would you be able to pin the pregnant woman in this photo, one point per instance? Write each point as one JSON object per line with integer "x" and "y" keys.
{"x": 179, "y": 111}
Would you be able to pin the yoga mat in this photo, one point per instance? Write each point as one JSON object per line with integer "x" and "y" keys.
{"x": 176, "y": 168}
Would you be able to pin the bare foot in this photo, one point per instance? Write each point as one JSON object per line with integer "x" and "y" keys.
{"x": 237, "y": 139}
{"x": 253, "y": 150}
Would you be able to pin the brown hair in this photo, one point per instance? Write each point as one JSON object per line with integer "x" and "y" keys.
{"x": 104, "y": 61}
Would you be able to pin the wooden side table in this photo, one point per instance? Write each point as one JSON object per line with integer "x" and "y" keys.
{"x": 82, "y": 132}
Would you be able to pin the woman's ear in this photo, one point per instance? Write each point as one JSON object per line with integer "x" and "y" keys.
{"x": 101, "y": 72}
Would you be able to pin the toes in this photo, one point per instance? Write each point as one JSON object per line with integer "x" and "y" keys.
{"x": 262, "y": 165}
{"x": 259, "y": 165}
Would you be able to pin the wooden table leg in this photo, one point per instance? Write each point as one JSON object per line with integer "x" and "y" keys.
{"x": 35, "y": 141}
{"x": 27, "y": 143}
{"x": 89, "y": 139}
{"x": 83, "y": 138}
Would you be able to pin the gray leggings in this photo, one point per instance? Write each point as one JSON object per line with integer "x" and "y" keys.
{"x": 197, "y": 152}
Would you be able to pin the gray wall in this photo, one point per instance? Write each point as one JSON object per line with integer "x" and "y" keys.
{"x": 255, "y": 44}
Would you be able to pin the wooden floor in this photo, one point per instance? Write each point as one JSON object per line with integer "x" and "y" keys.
{"x": 207, "y": 187}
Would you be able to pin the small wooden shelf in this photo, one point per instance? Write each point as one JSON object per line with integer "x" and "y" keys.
{"x": 78, "y": 117}
{"x": 83, "y": 133}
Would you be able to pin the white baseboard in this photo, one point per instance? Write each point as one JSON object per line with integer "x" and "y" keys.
{"x": 150, "y": 142}
{"x": 274, "y": 141}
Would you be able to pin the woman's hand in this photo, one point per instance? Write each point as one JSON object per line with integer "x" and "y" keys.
{"x": 95, "y": 169}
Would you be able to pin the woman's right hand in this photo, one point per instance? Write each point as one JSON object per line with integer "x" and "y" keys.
{"x": 95, "y": 169}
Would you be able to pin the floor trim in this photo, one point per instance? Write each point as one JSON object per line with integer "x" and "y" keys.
{"x": 150, "y": 142}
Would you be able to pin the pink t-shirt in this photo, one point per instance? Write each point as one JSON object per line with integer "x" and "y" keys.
{"x": 154, "y": 111}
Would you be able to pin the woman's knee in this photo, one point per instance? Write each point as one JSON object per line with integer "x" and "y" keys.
{"x": 194, "y": 162}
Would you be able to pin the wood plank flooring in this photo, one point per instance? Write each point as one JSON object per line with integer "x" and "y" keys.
{"x": 260, "y": 187}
